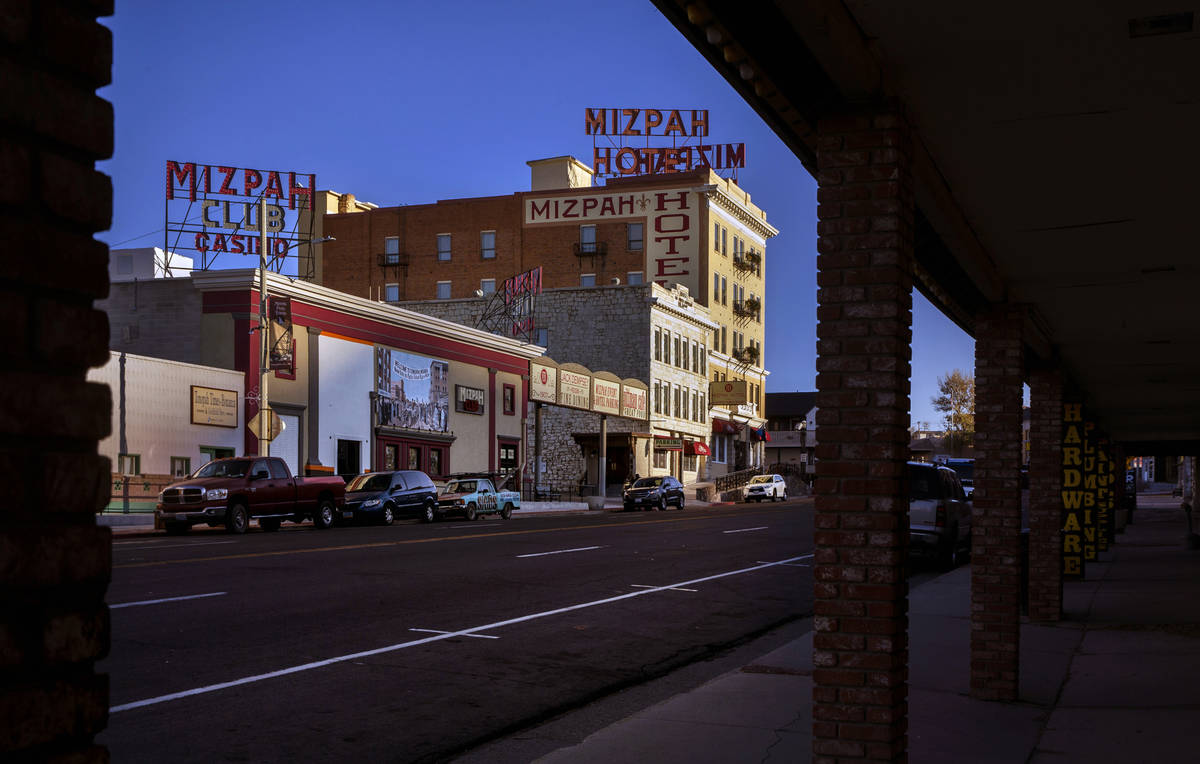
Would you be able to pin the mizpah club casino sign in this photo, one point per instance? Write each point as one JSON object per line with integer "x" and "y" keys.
{"x": 216, "y": 209}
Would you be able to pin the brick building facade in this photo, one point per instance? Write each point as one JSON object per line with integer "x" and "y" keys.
{"x": 695, "y": 229}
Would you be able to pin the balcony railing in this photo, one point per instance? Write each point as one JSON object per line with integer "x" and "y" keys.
{"x": 746, "y": 308}
{"x": 392, "y": 260}
{"x": 589, "y": 248}
{"x": 747, "y": 354}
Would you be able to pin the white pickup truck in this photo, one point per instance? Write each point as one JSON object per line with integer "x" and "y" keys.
{"x": 471, "y": 496}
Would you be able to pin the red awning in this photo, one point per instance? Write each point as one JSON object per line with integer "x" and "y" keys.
{"x": 723, "y": 426}
{"x": 695, "y": 448}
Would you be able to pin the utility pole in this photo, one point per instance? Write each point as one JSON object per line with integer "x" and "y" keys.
{"x": 264, "y": 324}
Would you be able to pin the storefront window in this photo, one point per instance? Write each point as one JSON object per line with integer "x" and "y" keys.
{"x": 414, "y": 457}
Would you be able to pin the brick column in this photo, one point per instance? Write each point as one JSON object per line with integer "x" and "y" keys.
{"x": 1045, "y": 495}
{"x": 996, "y": 518}
{"x": 55, "y": 561}
{"x": 864, "y": 313}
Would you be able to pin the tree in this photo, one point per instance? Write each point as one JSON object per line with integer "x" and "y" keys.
{"x": 956, "y": 401}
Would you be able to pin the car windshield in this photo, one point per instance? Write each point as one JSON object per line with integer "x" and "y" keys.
{"x": 762, "y": 479}
{"x": 235, "y": 468}
{"x": 922, "y": 484}
{"x": 460, "y": 486}
{"x": 376, "y": 482}
{"x": 650, "y": 482}
{"x": 965, "y": 470}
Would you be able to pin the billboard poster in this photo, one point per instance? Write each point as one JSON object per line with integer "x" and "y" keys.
{"x": 574, "y": 389}
{"x": 635, "y": 400}
{"x": 412, "y": 390}
{"x": 606, "y": 396}
{"x": 543, "y": 382}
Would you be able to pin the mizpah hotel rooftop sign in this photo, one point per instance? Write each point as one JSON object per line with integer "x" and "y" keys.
{"x": 686, "y": 130}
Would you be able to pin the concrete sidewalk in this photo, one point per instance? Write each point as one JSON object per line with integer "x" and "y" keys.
{"x": 1117, "y": 680}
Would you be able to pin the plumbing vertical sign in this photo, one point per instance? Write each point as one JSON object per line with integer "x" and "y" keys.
{"x": 216, "y": 209}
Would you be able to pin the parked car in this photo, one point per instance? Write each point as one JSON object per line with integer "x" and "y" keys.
{"x": 965, "y": 469}
{"x": 234, "y": 490}
{"x": 939, "y": 516}
{"x": 383, "y": 496}
{"x": 654, "y": 493}
{"x": 770, "y": 487}
{"x": 472, "y": 496}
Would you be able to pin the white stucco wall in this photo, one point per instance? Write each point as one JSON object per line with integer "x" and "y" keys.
{"x": 347, "y": 376}
{"x": 157, "y": 416}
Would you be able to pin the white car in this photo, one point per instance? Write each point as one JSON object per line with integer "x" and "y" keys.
{"x": 766, "y": 487}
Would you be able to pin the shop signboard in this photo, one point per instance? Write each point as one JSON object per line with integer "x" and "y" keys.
{"x": 214, "y": 406}
{"x": 574, "y": 387}
{"x": 730, "y": 392}
{"x": 635, "y": 399}
{"x": 606, "y": 394}
{"x": 543, "y": 381}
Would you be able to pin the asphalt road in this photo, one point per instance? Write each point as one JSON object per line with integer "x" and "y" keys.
{"x": 414, "y": 642}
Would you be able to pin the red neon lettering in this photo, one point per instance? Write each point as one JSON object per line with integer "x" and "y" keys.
{"x": 274, "y": 185}
{"x": 653, "y": 120}
{"x": 632, "y": 114}
{"x": 672, "y": 262}
{"x": 201, "y": 242}
{"x": 626, "y": 168}
{"x": 700, "y": 122}
{"x": 701, "y": 153}
{"x": 225, "y": 187}
{"x": 601, "y": 158}
{"x": 219, "y": 243}
{"x": 237, "y": 244}
{"x": 177, "y": 173}
{"x": 674, "y": 125}
{"x": 594, "y": 122}
{"x": 298, "y": 191}
{"x": 253, "y": 179}
{"x": 535, "y": 211}
{"x": 735, "y": 155}
{"x": 681, "y": 199}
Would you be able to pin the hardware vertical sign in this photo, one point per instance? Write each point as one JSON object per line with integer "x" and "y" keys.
{"x": 1072, "y": 490}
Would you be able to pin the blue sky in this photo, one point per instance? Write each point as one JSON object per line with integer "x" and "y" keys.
{"x": 406, "y": 102}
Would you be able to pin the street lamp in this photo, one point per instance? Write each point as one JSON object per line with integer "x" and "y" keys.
{"x": 264, "y": 325}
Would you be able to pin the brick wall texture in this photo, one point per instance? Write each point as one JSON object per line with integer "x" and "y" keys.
{"x": 1045, "y": 494}
{"x": 996, "y": 511}
{"x": 54, "y": 560}
{"x": 864, "y": 314}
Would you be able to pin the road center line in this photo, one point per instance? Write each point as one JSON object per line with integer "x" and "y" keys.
{"x": 436, "y": 638}
{"x": 437, "y": 631}
{"x": 746, "y": 530}
{"x": 559, "y": 551}
{"x": 166, "y": 599}
{"x": 144, "y": 545}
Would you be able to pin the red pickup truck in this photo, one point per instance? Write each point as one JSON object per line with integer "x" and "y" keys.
{"x": 232, "y": 491}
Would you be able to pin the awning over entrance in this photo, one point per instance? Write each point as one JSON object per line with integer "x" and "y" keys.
{"x": 695, "y": 448}
{"x": 723, "y": 426}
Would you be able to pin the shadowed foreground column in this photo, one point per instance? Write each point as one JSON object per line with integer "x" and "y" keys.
{"x": 864, "y": 313}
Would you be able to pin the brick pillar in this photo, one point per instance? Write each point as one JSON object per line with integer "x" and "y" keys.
{"x": 996, "y": 517}
{"x": 55, "y": 561}
{"x": 1045, "y": 495}
{"x": 864, "y": 313}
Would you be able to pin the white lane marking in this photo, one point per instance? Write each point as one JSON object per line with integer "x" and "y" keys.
{"x": 794, "y": 565}
{"x": 143, "y": 545}
{"x": 559, "y": 551}
{"x": 674, "y": 588}
{"x": 790, "y": 563}
{"x": 745, "y": 530}
{"x": 435, "y": 638}
{"x": 435, "y": 631}
{"x": 166, "y": 599}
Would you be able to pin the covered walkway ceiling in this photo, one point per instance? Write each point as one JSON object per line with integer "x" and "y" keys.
{"x": 1056, "y": 163}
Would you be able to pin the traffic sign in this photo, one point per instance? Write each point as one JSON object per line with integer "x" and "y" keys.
{"x": 276, "y": 425}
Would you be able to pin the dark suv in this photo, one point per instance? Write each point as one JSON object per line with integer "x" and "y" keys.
{"x": 654, "y": 493}
{"x": 939, "y": 517}
{"x": 382, "y": 496}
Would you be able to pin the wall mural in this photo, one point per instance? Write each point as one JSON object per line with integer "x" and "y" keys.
{"x": 413, "y": 391}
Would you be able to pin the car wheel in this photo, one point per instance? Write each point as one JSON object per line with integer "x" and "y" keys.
{"x": 662, "y": 504}
{"x": 323, "y": 519}
{"x": 507, "y": 511}
{"x": 176, "y": 528}
{"x": 428, "y": 515}
{"x": 236, "y": 519}
{"x": 389, "y": 515}
{"x": 681, "y": 501}
{"x": 269, "y": 524}
{"x": 948, "y": 558}
{"x": 472, "y": 512}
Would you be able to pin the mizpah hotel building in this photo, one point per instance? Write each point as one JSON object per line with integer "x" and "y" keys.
{"x": 694, "y": 233}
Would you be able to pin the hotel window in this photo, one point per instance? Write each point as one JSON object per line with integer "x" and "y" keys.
{"x": 443, "y": 290}
{"x": 695, "y": 406}
{"x": 717, "y": 339}
{"x": 510, "y": 399}
{"x": 129, "y": 464}
{"x": 391, "y": 250}
{"x": 487, "y": 286}
{"x": 676, "y": 362}
{"x": 724, "y": 241}
{"x": 587, "y": 238}
{"x": 696, "y": 357}
{"x": 634, "y": 277}
{"x": 704, "y": 359}
{"x": 724, "y": 337}
{"x": 181, "y": 466}
{"x": 676, "y": 394}
{"x": 716, "y": 294}
{"x": 587, "y": 279}
{"x": 443, "y": 246}
{"x": 657, "y": 344}
{"x": 703, "y": 410}
{"x": 487, "y": 244}
{"x": 717, "y": 236}
{"x": 724, "y": 291}
{"x": 686, "y": 355}
{"x": 635, "y": 234}
{"x": 541, "y": 337}
{"x": 391, "y": 292}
